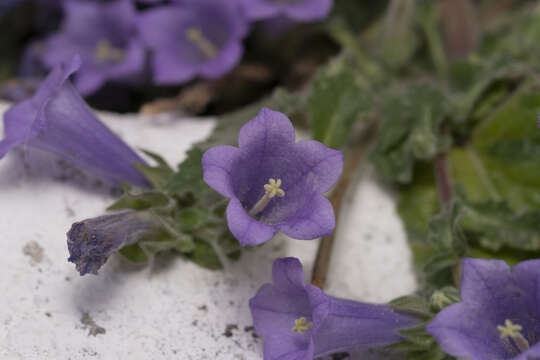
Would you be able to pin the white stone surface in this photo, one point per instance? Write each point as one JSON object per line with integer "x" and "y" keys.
{"x": 172, "y": 309}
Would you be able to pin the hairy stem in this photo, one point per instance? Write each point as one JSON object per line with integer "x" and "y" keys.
{"x": 442, "y": 177}
{"x": 324, "y": 252}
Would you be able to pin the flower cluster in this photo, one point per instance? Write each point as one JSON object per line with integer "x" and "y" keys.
{"x": 185, "y": 39}
{"x": 299, "y": 321}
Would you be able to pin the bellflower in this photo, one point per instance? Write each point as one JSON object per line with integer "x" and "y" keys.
{"x": 92, "y": 241}
{"x": 104, "y": 35}
{"x": 274, "y": 183}
{"x": 199, "y": 38}
{"x": 299, "y": 321}
{"x": 499, "y": 317}
{"x": 297, "y": 10}
{"x": 57, "y": 120}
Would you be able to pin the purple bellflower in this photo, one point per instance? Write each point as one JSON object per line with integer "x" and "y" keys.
{"x": 499, "y": 317}
{"x": 57, "y": 120}
{"x": 274, "y": 183}
{"x": 199, "y": 38}
{"x": 296, "y": 10}
{"x": 92, "y": 241}
{"x": 104, "y": 35}
{"x": 299, "y": 321}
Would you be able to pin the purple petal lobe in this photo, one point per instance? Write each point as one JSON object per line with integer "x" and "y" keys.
{"x": 270, "y": 128}
{"x": 217, "y": 165}
{"x": 312, "y": 222}
{"x": 247, "y": 230}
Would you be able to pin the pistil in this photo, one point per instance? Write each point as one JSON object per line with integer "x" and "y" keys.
{"x": 271, "y": 189}
{"x": 301, "y": 325}
{"x": 512, "y": 332}
{"x": 105, "y": 51}
{"x": 196, "y": 36}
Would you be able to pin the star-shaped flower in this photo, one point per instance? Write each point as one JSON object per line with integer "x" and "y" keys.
{"x": 274, "y": 183}
{"x": 499, "y": 317}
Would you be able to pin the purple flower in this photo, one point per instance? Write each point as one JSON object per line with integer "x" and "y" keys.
{"x": 297, "y": 10}
{"x": 104, "y": 35}
{"x": 57, "y": 120}
{"x": 274, "y": 183}
{"x": 202, "y": 38}
{"x": 499, "y": 317}
{"x": 92, "y": 241}
{"x": 299, "y": 321}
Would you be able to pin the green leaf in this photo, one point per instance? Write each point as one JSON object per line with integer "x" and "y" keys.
{"x": 418, "y": 335}
{"x": 205, "y": 256}
{"x": 157, "y": 175}
{"x": 336, "y": 102}
{"x": 134, "y": 253}
{"x": 141, "y": 201}
{"x": 188, "y": 178}
{"x": 413, "y": 304}
{"x": 410, "y": 131}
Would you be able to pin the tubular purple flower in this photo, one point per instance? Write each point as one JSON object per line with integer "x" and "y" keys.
{"x": 499, "y": 317}
{"x": 297, "y": 10}
{"x": 57, "y": 120}
{"x": 104, "y": 35}
{"x": 299, "y": 321}
{"x": 198, "y": 38}
{"x": 92, "y": 241}
{"x": 274, "y": 183}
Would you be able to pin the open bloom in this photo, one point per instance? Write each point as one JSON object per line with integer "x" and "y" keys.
{"x": 198, "y": 38}
{"x": 92, "y": 241}
{"x": 299, "y": 321}
{"x": 57, "y": 120}
{"x": 297, "y": 10}
{"x": 499, "y": 317}
{"x": 274, "y": 183}
{"x": 104, "y": 35}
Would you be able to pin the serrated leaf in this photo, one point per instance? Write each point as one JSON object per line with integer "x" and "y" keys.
{"x": 336, "y": 102}
{"x": 157, "y": 176}
{"x": 141, "y": 201}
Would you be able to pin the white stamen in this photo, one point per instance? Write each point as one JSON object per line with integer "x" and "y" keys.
{"x": 272, "y": 189}
{"x": 206, "y": 46}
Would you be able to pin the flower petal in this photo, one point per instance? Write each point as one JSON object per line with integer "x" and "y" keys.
{"x": 288, "y": 275}
{"x": 320, "y": 160}
{"x": 460, "y": 331}
{"x": 217, "y": 164}
{"x": 313, "y": 221}
{"x": 247, "y": 230}
{"x": 269, "y": 131}
{"x": 309, "y": 10}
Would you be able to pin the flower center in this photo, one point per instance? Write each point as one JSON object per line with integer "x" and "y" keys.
{"x": 512, "y": 333}
{"x": 196, "y": 36}
{"x": 270, "y": 191}
{"x": 105, "y": 51}
{"x": 301, "y": 325}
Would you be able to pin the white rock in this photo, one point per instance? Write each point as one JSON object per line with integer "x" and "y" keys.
{"x": 174, "y": 309}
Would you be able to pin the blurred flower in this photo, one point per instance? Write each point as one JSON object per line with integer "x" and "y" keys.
{"x": 57, "y": 120}
{"x": 104, "y": 35}
{"x": 298, "y": 10}
{"x": 274, "y": 183}
{"x": 202, "y": 38}
{"x": 299, "y": 321}
{"x": 499, "y": 317}
{"x": 92, "y": 241}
